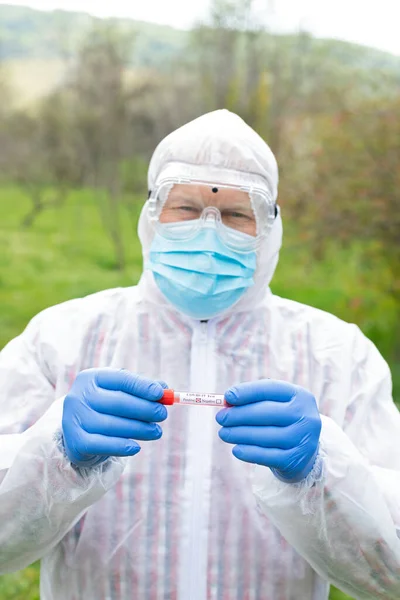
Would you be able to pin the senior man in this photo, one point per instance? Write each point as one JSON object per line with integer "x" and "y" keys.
{"x": 311, "y": 494}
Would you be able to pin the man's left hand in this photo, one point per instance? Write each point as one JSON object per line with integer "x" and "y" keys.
{"x": 275, "y": 424}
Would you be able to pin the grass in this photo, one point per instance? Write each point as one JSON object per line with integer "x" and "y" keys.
{"x": 67, "y": 254}
{"x": 23, "y": 585}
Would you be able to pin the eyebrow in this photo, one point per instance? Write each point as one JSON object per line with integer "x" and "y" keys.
{"x": 237, "y": 206}
{"x": 183, "y": 196}
{"x": 224, "y": 204}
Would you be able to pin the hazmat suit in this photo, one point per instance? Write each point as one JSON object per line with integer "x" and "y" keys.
{"x": 184, "y": 519}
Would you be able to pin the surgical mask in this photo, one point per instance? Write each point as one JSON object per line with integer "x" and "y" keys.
{"x": 201, "y": 276}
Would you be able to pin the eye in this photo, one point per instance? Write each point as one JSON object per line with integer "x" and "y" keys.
{"x": 186, "y": 208}
{"x": 239, "y": 215}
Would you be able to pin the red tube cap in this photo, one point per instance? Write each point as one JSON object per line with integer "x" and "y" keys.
{"x": 168, "y": 397}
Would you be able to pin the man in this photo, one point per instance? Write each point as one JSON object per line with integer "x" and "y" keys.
{"x": 311, "y": 494}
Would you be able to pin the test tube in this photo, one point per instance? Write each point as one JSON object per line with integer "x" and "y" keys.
{"x": 193, "y": 399}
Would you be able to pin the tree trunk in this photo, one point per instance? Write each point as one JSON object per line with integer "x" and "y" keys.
{"x": 37, "y": 207}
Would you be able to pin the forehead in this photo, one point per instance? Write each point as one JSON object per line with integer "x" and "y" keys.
{"x": 226, "y": 196}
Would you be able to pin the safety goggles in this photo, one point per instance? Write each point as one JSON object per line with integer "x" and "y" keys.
{"x": 242, "y": 214}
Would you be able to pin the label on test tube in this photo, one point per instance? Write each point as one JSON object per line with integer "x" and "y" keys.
{"x": 193, "y": 398}
{"x": 200, "y": 399}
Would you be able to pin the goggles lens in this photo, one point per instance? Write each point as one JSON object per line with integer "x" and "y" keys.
{"x": 187, "y": 203}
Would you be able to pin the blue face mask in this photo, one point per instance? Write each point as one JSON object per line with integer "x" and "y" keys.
{"x": 201, "y": 277}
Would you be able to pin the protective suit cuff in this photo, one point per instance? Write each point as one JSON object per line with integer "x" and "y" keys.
{"x": 95, "y": 462}
{"x": 312, "y": 472}
{"x": 271, "y": 491}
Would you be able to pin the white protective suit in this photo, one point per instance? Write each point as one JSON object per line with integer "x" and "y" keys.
{"x": 184, "y": 519}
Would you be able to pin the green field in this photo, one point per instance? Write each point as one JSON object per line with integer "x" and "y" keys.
{"x": 67, "y": 254}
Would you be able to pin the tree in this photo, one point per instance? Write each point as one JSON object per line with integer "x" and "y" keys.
{"x": 342, "y": 183}
{"x": 39, "y": 154}
{"x": 101, "y": 113}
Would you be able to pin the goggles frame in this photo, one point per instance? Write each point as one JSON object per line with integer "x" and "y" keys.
{"x": 264, "y": 207}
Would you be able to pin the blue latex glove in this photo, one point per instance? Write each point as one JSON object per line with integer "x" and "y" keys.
{"x": 105, "y": 411}
{"x": 275, "y": 424}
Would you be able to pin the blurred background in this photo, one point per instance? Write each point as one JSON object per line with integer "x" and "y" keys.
{"x": 85, "y": 99}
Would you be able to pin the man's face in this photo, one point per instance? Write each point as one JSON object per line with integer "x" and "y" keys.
{"x": 187, "y": 202}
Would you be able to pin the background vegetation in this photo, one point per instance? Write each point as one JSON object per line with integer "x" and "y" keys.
{"x": 83, "y": 104}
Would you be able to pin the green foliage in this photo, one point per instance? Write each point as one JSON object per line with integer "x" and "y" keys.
{"x": 23, "y": 585}
{"x": 133, "y": 174}
{"x": 351, "y": 282}
{"x": 338, "y": 595}
{"x": 340, "y": 184}
{"x": 365, "y": 188}
{"x": 65, "y": 254}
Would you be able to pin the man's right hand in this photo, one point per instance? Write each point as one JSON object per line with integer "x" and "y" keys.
{"x": 105, "y": 411}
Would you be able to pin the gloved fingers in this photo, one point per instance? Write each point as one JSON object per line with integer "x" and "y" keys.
{"x": 112, "y": 426}
{"x": 120, "y": 404}
{"x": 163, "y": 384}
{"x": 259, "y": 391}
{"x": 260, "y": 413}
{"x": 265, "y": 437}
{"x": 275, "y": 458}
{"x": 124, "y": 381}
{"x": 93, "y": 444}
